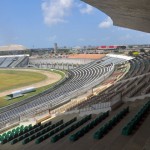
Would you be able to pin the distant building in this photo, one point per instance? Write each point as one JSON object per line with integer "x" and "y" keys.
{"x": 105, "y": 49}
{"x": 55, "y": 48}
{"x": 13, "y": 50}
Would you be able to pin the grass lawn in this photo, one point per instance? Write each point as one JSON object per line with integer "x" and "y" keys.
{"x": 10, "y": 79}
{"x": 4, "y": 102}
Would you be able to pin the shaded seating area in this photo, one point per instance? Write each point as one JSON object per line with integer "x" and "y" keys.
{"x": 49, "y": 133}
{"x": 110, "y": 124}
{"x": 136, "y": 120}
{"x": 19, "y": 131}
{"x": 88, "y": 127}
{"x": 70, "y": 129}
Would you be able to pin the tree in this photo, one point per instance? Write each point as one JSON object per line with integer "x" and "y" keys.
{"x": 142, "y": 50}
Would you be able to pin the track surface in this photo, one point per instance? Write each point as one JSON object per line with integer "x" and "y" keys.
{"x": 51, "y": 78}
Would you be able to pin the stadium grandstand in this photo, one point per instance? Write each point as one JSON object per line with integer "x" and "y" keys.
{"x": 13, "y": 49}
{"x": 103, "y": 102}
{"x": 12, "y": 61}
{"x": 71, "y": 61}
{"x": 13, "y": 55}
{"x": 107, "y": 85}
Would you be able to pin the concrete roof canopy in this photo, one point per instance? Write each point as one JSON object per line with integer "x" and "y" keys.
{"x": 133, "y": 14}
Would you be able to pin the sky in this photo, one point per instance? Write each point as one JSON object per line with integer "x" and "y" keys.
{"x": 41, "y": 23}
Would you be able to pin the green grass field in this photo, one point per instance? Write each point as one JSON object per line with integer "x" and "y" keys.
{"x": 4, "y": 102}
{"x": 10, "y": 79}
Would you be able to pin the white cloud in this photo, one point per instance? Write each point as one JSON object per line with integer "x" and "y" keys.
{"x": 125, "y": 37}
{"x": 123, "y": 29}
{"x": 86, "y": 10}
{"x": 81, "y": 39}
{"x": 107, "y": 23}
{"x": 52, "y": 38}
{"x": 54, "y": 11}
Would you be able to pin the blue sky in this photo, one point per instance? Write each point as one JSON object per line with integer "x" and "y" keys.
{"x": 41, "y": 23}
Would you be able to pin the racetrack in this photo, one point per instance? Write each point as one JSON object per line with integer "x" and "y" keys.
{"x": 51, "y": 77}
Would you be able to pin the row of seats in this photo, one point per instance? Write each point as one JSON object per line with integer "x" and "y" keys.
{"x": 56, "y": 66}
{"x": 70, "y": 129}
{"x": 110, "y": 124}
{"x": 47, "y": 133}
{"x": 19, "y": 131}
{"x": 35, "y": 133}
{"x": 129, "y": 88}
{"x": 147, "y": 90}
{"x": 129, "y": 128}
{"x": 133, "y": 87}
{"x": 95, "y": 72}
{"x": 93, "y": 100}
{"x": 138, "y": 66}
{"x": 52, "y": 61}
{"x": 83, "y": 77}
{"x": 11, "y": 62}
{"x": 88, "y": 127}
